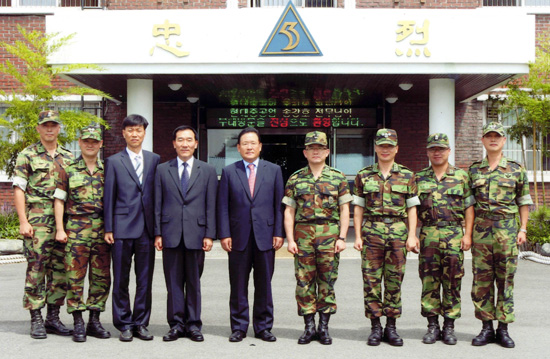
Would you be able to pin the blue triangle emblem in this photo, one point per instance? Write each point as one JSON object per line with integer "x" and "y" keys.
{"x": 290, "y": 37}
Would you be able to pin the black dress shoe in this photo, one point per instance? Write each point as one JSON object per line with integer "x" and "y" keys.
{"x": 195, "y": 335}
{"x": 173, "y": 334}
{"x": 237, "y": 336}
{"x": 126, "y": 336}
{"x": 142, "y": 333}
{"x": 266, "y": 336}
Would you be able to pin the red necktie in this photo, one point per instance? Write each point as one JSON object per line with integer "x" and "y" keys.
{"x": 251, "y": 179}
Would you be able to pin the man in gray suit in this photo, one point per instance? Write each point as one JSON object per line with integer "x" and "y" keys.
{"x": 129, "y": 222}
{"x": 185, "y": 225}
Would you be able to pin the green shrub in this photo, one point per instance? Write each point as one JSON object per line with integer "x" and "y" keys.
{"x": 9, "y": 223}
{"x": 538, "y": 227}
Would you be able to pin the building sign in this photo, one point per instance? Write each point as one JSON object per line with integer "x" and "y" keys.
{"x": 419, "y": 37}
{"x": 290, "y": 37}
{"x": 276, "y": 117}
{"x": 167, "y": 30}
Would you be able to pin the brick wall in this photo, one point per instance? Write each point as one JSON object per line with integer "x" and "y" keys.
{"x": 417, "y": 4}
{"x": 411, "y": 122}
{"x": 540, "y": 193}
{"x": 166, "y": 4}
{"x": 468, "y": 125}
{"x": 6, "y": 194}
{"x": 9, "y": 34}
{"x": 166, "y": 117}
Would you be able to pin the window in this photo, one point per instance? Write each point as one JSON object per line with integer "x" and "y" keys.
{"x": 512, "y": 149}
{"x": 354, "y": 150}
{"x": 297, "y": 3}
{"x": 516, "y": 2}
{"x": 85, "y": 4}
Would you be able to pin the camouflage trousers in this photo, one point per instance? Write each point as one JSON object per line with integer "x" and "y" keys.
{"x": 86, "y": 248}
{"x": 494, "y": 261}
{"x": 441, "y": 268}
{"x": 383, "y": 258}
{"x": 45, "y": 281}
{"x": 316, "y": 267}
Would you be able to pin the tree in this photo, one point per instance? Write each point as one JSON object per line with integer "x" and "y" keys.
{"x": 529, "y": 98}
{"x": 38, "y": 91}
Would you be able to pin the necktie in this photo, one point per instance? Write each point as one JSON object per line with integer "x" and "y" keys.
{"x": 184, "y": 179}
{"x": 251, "y": 179}
{"x": 139, "y": 168}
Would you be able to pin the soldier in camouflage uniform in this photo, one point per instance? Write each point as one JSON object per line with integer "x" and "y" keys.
{"x": 34, "y": 185}
{"x": 316, "y": 223}
{"x": 79, "y": 195}
{"x": 385, "y": 199}
{"x": 445, "y": 201}
{"x": 501, "y": 191}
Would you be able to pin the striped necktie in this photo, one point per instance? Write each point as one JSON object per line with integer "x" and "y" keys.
{"x": 139, "y": 168}
{"x": 184, "y": 179}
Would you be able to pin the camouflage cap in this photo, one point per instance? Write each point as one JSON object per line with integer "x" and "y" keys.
{"x": 316, "y": 138}
{"x": 494, "y": 127}
{"x": 92, "y": 132}
{"x": 48, "y": 116}
{"x": 386, "y": 136}
{"x": 438, "y": 140}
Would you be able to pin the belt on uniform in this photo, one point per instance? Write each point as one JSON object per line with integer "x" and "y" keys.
{"x": 319, "y": 221}
{"x": 495, "y": 216}
{"x": 442, "y": 223}
{"x": 385, "y": 219}
{"x": 40, "y": 205}
{"x": 94, "y": 215}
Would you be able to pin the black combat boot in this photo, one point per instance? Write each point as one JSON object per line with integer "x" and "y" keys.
{"x": 53, "y": 325}
{"x": 448, "y": 333}
{"x": 309, "y": 331}
{"x": 79, "y": 332}
{"x": 322, "y": 330}
{"x": 37, "y": 325}
{"x": 486, "y": 336}
{"x": 390, "y": 334}
{"x": 502, "y": 337}
{"x": 375, "y": 336}
{"x": 432, "y": 335}
{"x": 94, "y": 328}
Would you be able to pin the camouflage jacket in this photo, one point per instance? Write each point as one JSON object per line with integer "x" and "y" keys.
{"x": 317, "y": 199}
{"x": 35, "y": 172}
{"x": 385, "y": 197}
{"x": 444, "y": 200}
{"x": 81, "y": 190}
{"x": 502, "y": 190}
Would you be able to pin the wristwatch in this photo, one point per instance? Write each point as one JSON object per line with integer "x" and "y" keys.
{"x": 523, "y": 230}
{"x": 342, "y": 239}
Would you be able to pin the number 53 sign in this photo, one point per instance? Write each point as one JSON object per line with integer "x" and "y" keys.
{"x": 290, "y": 37}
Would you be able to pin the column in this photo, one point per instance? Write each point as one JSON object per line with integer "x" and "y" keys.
{"x": 442, "y": 110}
{"x": 140, "y": 102}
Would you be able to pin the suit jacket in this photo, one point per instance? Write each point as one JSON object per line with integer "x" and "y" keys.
{"x": 193, "y": 217}
{"x": 239, "y": 213}
{"x": 129, "y": 205}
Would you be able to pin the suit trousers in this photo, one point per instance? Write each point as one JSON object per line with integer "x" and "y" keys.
{"x": 182, "y": 271}
{"x": 240, "y": 265}
{"x": 142, "y": 249}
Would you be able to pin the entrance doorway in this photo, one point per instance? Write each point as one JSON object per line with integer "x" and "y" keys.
{"x": 286, "y": 151}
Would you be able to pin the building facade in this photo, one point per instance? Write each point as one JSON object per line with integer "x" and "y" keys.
{"x": 347, "y": 67}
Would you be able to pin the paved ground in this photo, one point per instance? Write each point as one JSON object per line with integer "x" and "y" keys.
{"x": 348, "y": 327}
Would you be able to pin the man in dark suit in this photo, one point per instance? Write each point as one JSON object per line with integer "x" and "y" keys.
{"x": 129, "y": 223}
{"x": 250, "y": 226}
{"x": 185, "y": 225}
